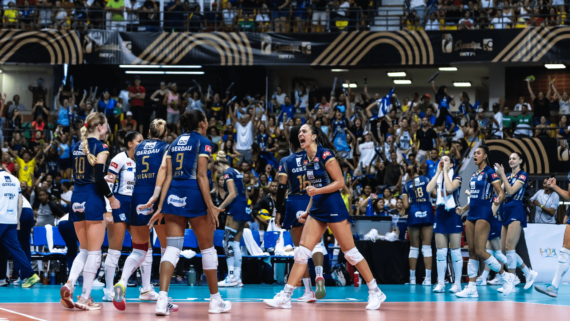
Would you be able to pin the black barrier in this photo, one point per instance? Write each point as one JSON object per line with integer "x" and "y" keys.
{"x": 326, "y": 49}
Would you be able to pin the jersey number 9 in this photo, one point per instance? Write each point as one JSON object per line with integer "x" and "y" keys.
{"x": 179, "y": 160}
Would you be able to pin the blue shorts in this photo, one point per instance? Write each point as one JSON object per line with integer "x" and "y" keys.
{"x": 64, "y": 163}
{"x": 295, "y": 203}
{"x": 496, "y": 228}
{"x": 514, "y": 211}
{"x": 239, "y": 210}
{"x": 87, "y": 204}
{"x": 329, "y": 208}
{"x": 141, "y": 195}
{"x": 480, "y": 213}
{"x": 184, "y": 198}
{"x": 121, "y": 215}
{"x": 283, "y": 13}
{"x": 300, "y": 13}
{"x": 420, "y": 215}
{"x": 447, "y": 222}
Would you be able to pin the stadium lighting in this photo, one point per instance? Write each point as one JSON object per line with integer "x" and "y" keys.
{"x": 139, "y": 72}
{"x": 159, "y": 66}
{"x": 396, "y": 74}
{"x": 555, "y": 66}
{"x": 402, "y": 81}
{"x": 462, "y": 83}
{"x": 352, "y": 85}
{"x": 339, "y": 70}
{"x": 447, "y": 68}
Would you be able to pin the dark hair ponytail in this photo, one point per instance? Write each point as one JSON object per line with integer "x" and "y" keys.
{"x": 520, "y": 157}
{"x": 486, "y": 150}
{"x": 189, "y": 121}
{"x": 323, "y": 140}
{"x": 294, "y": 137}
{"x": 127, "y": 136}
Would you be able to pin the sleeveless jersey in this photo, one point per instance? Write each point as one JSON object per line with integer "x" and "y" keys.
{"x": 292, "y": 167}
{"x": 184, "y": 153}
{"x": 83, "y": 171}
{"x": 148, "y": 157}
{"x": 124, "y": 169}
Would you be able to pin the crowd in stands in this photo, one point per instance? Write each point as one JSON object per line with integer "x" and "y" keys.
{"x": 380, "y": 137}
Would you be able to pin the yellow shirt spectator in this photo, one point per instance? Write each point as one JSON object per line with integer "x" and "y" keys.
{"x": 11, "y": 15}
{"x": 26, "y": 170}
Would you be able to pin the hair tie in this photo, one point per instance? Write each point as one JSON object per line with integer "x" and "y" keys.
{"x": 86, "y": 125}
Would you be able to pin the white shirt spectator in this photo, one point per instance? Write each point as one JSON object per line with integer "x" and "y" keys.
{"x": 10, "y": 193}
{"x": 500, "y": 23}
{"x": 367, "y": 152}
{"x": 229, "y": 16}
{"x": 486, "y": 3}
{"x": 280, "y": 99}
{"x": 131, "y": 17}
{"x": 549, "y": 201}
{"x": 468, "y": 22}
{"x": 499, "y": 118}
{"x": 431, "y": 25}
{"x": 244, "y": 136}
{"x": 262, "y": 18}
{"x": 564, "y": 107}
{"x": 302, "y": 100}
{"x": 417, "y": 3}
{"x": 124, "y": 95}
{"x": 343, "y": 9}
{"x": 518, "y": 107}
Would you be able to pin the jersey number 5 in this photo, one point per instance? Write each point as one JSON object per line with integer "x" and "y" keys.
{"x": 145, "y": 163}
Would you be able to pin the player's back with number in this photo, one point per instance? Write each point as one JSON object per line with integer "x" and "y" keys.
{"x": 83, "y": 172}
{"x": 296, "y": 172}
{"x": 416, "y": 189}
{"x": 148, "y": 156}
{"x": 185, "y": 152}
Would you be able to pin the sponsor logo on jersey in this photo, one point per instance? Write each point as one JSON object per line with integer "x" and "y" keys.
{"x": 176, "y": 201}
{"x": 146, "y": 211}
{"x": 310, "y": 175}
{"x": 299, "y": 213}
{"x": 480, "y": 177}
{"x": 78, "y": 207}
{"x": 522, "y": 177}
{"x": 326, "y": 154}
{"x": 472, "y": 185}
{"x": 298, "y": 159}
{"x": 129, "y": 164}
{"x": 150, "y": 145}
{"x": 316, "y": 160}
{"x": 183, "y": 140}
{"x": 7, "y": 178}
{"x": 421, "y": 214}
{"x": 280, "y": 167}
{"x": 208, "y": 148}
{"x": 10, "y": 195}
{"x": 105, "y": 146}
{"x": 114, "y": 165}
{"x": 123, "y": 217}
{"x": 226, "y": 176}
{"x": 495, "y": 175}
{"x": 305, "y": 162}
{"x": 317, "y": 166}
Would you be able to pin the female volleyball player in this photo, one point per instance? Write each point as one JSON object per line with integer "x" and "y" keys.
{"x": 149, "y": 156}
{"x": 292, "y": 174}
{"x": 186, "y": 178}
{"x": 477, "y": 227}
{"x": 88, "y": 209}
{"x": 448, "y": 225}
{"x": 420, "y": 222}
{"x": 238, "y": 215}
{"x": 551, "y": 289}
{"x": 327, "y": 210}
{"x": 122, "y": 175}
{"x": 514, "y": 215}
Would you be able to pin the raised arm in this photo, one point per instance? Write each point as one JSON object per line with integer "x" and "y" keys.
{"x": 564, "y": 194}
{"x": 532, "y": 96}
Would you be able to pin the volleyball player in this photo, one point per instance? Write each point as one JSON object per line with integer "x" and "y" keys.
{"x": 238, "y": 216}
{"x": 11, "y": 202}
{"x": 514, "y": 215}
{"x": 122, "y": 175}
{"x": 327, "y": 210}
{"x": 150, "y": 156}
{"x": 447, "y": 224}
{"x": 477, "y": 226}
{"x": 186, "y": 178}
{"x": 292, "y": 174}
{"x": 493, "y": 246}
{"x": 420, "y": 222}
{"x": 88, "y": 209}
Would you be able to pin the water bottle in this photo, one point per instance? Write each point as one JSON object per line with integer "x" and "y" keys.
{"x": 192, "y": 276}
{"x": 356, "y": 279}
{"x": 52, "y": 278}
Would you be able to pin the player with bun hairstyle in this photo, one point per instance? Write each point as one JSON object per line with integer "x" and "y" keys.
{"x": 186, "y": 178}
{"x": 88, "y": 209}
{"x": 326, "y": 209}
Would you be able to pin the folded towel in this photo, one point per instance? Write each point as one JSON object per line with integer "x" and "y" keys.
{"x": 252, "y": 247}
{"x": 188, "y": 254}
{"x": 444, "y": 198}
{"x": 49, "y": 236}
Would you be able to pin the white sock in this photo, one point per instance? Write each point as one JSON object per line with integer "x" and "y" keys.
{"x": 215, "y": 296}
{"x": 289, "y": 289}
{"x": 412, "y": 273}
{"x": 525, "y": 271}
{"x": 428, "y": 273}
{"x": 146, "y": 271}
{"x": 77, "y": 266}
{"x": 372, "y": 286}
{"x": 230, "y": 262}
{"x": 133, "y": 261}
{"x": 307, "y": 283}
{"x": 319, "y": 270}
{"x": 485, "y": 274}
{"x": 89, "y": 272}
{"x": 237, "y": 273}
{"x": 163, "y": 294}
{"x": 562, "y": 267}
{"x": 111, "y": 262}
{"x": 441, "y": 268}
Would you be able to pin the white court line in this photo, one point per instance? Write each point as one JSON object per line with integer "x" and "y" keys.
{"x": 25, "y": 315}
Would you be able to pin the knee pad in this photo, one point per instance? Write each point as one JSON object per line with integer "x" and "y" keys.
{"x": 456, "y": 255}
{"x": 472, "y": 268}
{"x": 493, "y": 264}
{"x": 302, "y": 255}
{"x": 172, "y": 255}
{"x": 414, "y": 252}
{"x": 441, "y": 254}
{"x": 175, "y": 241}
{"x": 209, "y": 259}
{"x": 148, "y": 258}
{"x": 112, "y": 258}
{"x": 501, "y": 257}
{"x": 93, "y": 262}
{"x": 564, "y": 256}
{"x": 353, "y": 256}
{"x": 138, "y": 256}
{"x": 426, "y": 251}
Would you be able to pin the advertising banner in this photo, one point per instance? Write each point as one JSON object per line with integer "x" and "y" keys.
{"x": 543, "y": 242}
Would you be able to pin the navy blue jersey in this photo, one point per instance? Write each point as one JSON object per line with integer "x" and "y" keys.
{"x": 339, "y": 124}
{"x": 83, "y": 171}
{"x": 316, "y": 170}
{"x": 416, "y": 189}
{"x": 184, "y": 153}
{"x": 292, "y": 167}
{"x": 148, "y": 156}
{"x": 523, "y": 178}
{"x": 481, "y": 187}
{"x": 231, "y": 174}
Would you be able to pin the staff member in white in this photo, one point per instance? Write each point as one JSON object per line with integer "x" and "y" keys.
{"x": 546, "y": 202}
{"x": 404, "y": 140}
{"x": 10, "y": 211}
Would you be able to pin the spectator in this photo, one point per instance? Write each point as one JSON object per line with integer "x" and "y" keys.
{"x": 116, "y": 8}
{"x": 26, "y": 16}
{"x": 229, "y": 17}
{"x": 26, "y": 165}
{"x": 174, "y": 16}
{"x": 10, "y": 16}
{"x": 244, "y": 128}
{"x": 466, "y": 22}
{"x": 394, "y": 171}
{"x": 7, "y": 163}
{"x": 300, "y": 15}
{"x": 280, "y": 12}
{"x": 149, "y": 16}
{"x": 45, "y": 210}
{"x": 500, "y": 22}
{"x": 425, "y": 138}
{"x": 564, "y": 131}
{"x": 432, "y": 23}
{"x": 107, "y": 106}
{"x": 442, "y": 99}
{"x": 263, "y": 20}
{"x": 132, "y": 8}
{"x": 44, "y": 14}
{"x": 524, "y": 124}
{"x": 319, "y": 18}
{"x": 137, "y": 94}
{"x": 40, "y": 110}
{"x": 497, "y": 121}
{"x": 18, "y": 141}
{"x": 419, "y": 6}
{"x": 64, "y": 151}
{"x": 563, "y": 101}
{"x": 540, "y": 105}
{"x": 546, "y": 203}
{"x": 541, "y": 130}
{"x": 80, "y": 15}
{"x": 518, "y": 107}
{"x": 65, "y": 110}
